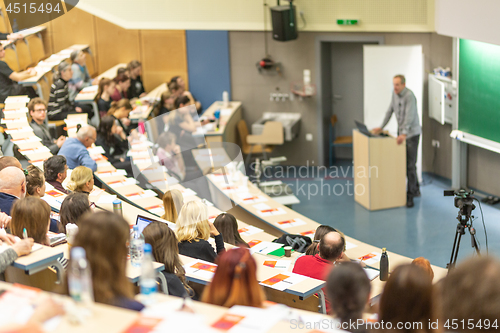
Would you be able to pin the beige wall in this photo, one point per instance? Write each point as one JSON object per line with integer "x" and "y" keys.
{"x": 249, "y": 15}
{"x": 253, "y": 89}
{"x": 162, "y": 52}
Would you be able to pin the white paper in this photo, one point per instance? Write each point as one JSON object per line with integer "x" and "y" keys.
{"x": 349, "y": 245}
{"x": 265, "y": 247}
{"x": 375, "y": 259}
{"x": 249, "y": 198}
{"x": 187, "y": 192}
{"x": 203, "y": 274}
{"x": 371, "y": 273}
{"x": 249, "y": 230}
{"x": 287, "y": 283}
{"x": 106, "y": 199}
{"x": 290, "y": 223}
{"x": 281, "y": 264}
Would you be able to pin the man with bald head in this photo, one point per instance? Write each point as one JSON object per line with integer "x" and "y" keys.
{"x": 75, "y": 149}
{"x": 12, "y": 187}
{"x": 7, "y": 161}
{"x": 331, "y": 249}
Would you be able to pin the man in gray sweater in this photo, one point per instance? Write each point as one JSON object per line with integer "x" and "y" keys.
{"x": 404, "y": 106}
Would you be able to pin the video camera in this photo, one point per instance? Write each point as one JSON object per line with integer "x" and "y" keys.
{"x": 463, "y": 200}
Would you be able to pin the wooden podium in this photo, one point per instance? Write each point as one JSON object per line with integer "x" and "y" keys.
{"x": 379, "y": 172}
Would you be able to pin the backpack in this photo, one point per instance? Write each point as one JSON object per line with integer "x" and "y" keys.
{"x": 298, "y": 242}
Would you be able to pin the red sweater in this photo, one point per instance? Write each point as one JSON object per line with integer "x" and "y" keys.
{"x": 316, "y": 268}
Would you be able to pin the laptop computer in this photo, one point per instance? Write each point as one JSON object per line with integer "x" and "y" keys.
{"x": 363, "y": 129}
{"x": 143, "y": 221}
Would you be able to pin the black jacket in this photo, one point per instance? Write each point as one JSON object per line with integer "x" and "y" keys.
{"x": 201, "y": 249}
{"x": 113, "y": 149}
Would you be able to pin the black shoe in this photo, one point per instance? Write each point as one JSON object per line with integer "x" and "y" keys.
{"x": 417, "y": 194}
{"x": 409, "y": 202}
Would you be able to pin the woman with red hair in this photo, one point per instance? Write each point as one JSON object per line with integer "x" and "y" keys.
{"x": 235, "y": 281}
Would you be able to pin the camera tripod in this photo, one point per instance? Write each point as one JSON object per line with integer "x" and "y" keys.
{"x": 465, "y": 222}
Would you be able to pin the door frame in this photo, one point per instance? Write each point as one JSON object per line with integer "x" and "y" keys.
{"x": 322, "y": 46}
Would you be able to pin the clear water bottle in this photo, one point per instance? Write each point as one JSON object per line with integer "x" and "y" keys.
{"x": 80, "y": 278}
{"x": 147, "y": 281}
{"x": 15, "y": 26}
{"x": 136, "y": 247}
{"x": 384, "y": 266}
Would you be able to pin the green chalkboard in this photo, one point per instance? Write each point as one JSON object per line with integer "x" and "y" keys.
{"x": 479, "y": 89}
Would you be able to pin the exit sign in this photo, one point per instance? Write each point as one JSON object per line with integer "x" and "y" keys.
{"x": 347, "y": 22}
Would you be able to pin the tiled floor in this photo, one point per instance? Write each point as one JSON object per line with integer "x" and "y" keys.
{"x": 427, "y": 230}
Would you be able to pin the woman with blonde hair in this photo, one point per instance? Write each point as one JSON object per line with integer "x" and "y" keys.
{"x": 193, "y": 231}
{"x": 172, "y": 203}
{"x": 235, "y": 281}
{"x": 81, "y": 180}
{"x": 32, "y": 214}
{"x": 104, "y": 238}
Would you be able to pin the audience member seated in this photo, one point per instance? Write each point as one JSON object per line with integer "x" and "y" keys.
{"x": 136, "y": 89}
{"x": 73, "y": 207}
{"x": 120, "y": 111}
{"x": 193, "y": 231}
{"x": 12, "y": 188}
{"x": 35, "y": 187}
{"x": 38, "y": 112}
{"x": 177, "y": 86}
{"x": 14, "y": 251}
{"x": 104, "y": 237}
{"x": 235, "y": 281}
{"x": 166, "y": 251}
{"x": 172, "y": 204}
{"x": 165, "y": 105}
{"x": 122, "y": 84}
{"x": 122, "y": 71}
{"x": 331, "y": 248}
{"x": 32, "y": 214}
{"x": 471, "y": 293}
{"x": 9, "y": 80}
{"x": 408, "y": 297}
{"x": 348, "y": 290}
{"x": 75, "y": 149}
{"x": 103, "y": 97}
{"x": 81, "y": 77}
{"x": 169, "y": 155}
{"x": 81, "y": 180}
{"x": 321, "y": 231}
{"x": 7, "y": 161}
{"x": 55, "y": 172}
{"x": 425, "y": 264}
{"x": 59, "y": 103}
{"x": 115, "y": 147}
{"x": 228, "y": 228}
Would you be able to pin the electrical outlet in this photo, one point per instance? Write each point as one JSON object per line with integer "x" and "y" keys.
{"x": 435, "y": 143}
{"x": 309, "y": 137}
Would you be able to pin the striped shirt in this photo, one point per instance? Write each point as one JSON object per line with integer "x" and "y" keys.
{"x": 59, "y": 104}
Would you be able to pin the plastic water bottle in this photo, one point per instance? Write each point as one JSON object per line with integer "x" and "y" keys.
{"x": 147, "y": 282}
{"x": 384, "y": 266}
{"x": 80, "y": 279}
{"x": 136, "y": 247}
{"x": 15, "y": 26}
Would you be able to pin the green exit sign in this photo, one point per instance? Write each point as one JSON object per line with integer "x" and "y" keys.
{"x": 347, "y": 22}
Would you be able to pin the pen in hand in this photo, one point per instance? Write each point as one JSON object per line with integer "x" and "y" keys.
{"x": 25, "y": 233}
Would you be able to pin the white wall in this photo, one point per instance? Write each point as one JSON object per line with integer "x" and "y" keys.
{"x": 469, "y": 19}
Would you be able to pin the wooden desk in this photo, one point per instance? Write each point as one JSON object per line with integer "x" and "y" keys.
{"x": 153, "y": 96}
{"x": 42, "y": 259}
{"x": 229, "y": 117}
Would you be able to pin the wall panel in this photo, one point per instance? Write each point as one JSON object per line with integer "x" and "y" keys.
{"x": 163, "y": 54}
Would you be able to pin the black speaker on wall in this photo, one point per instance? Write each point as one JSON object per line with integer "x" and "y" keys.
{"x": 284, "y": 23}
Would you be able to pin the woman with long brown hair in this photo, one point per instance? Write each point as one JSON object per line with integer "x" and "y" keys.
{"x": 104, "y": 237}
{"x": 120, "y": 111}
{"x": 235, "y": 281}
{"x": 172, "y": 203}
{"x": 103, "y": 97}
{"x": 166, "y": 251}
{"x": 408, "y": 298}
{"x": 32, "y": 214}
{"x": 228, "y": 228}
{"x": 122, "y": 84}
{"x": 73, "y": 207}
